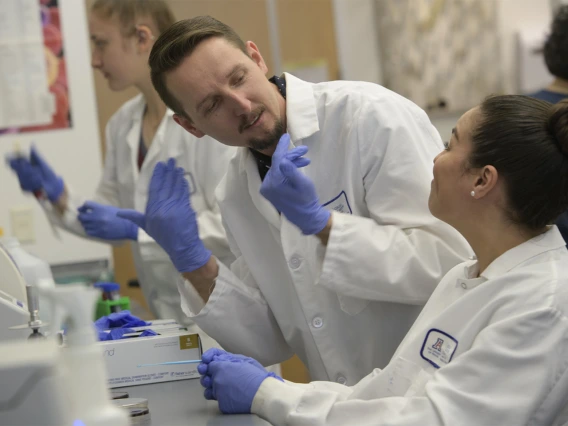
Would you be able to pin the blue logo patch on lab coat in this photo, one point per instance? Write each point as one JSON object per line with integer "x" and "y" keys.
{"x": 438, "y": 348}
{"x": 339, "y": 204}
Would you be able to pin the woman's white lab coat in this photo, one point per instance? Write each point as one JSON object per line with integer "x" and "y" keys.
{"x": 488, "y": 350}
{"x": 123, "y": 185}
{"x": 343, "y": 308}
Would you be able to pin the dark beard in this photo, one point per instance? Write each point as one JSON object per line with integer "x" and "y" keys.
{"x": 271, "y": 140}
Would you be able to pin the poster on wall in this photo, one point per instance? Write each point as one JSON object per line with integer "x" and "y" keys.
{"x": 441, "y": 54}
{"x": 33, "y": 74}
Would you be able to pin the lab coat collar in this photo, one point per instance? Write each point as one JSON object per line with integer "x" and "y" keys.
{"x": 264, "y": 206}
{"x": 471, "y": 272}
{"x": 133, "y": 136}
{"x": 301, "y": 111}
{"x": 550, "y": 240}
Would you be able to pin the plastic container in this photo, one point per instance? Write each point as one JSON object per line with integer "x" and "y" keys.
{"x": 107, "y": 307}
{"x": 33, "y": 270}
{"x": 110, "y": 300}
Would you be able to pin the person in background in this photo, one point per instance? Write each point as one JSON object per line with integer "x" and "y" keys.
{"x": 556, "y": 58}
{"x": 140, "y": 134}
{"x": 335, "y": 254}
{"x": 491, "y": 345}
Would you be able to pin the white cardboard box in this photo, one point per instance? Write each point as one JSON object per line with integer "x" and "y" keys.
{"x": 122, "y": 358}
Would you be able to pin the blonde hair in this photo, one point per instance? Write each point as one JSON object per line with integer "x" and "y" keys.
{"x": 130, "y": 12}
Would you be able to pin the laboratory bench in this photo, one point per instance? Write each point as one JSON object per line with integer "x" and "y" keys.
{"x": 181, "y": 403}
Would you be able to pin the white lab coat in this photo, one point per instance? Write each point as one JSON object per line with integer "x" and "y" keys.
{"x": 502, "y": 357}
{"x": 123, "y": 185}
{"x": 343, "y": 308}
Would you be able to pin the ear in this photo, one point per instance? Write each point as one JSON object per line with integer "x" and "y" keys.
{"x": 188, "y": 125}
{"x": 144, "y": 38}
{"x": 255, "y": 55}
{"x": 485, "y": 180}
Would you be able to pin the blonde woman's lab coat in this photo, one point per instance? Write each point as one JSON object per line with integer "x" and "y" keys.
{"x": 343, "y": 308}
{"x": 487, "y": 350}
{"x": 123, "y": 185}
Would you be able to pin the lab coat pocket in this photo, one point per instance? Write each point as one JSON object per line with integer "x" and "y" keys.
{"x": 352, "y": 305}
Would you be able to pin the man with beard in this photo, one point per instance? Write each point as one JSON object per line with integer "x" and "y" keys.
{"x": 335, "y": 254}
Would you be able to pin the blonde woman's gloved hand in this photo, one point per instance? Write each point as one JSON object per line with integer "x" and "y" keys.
{"x": 101, "y": 221}
{"x": 51, "y": 183}
{"x": 36, "y": 175}
{"x": 169, "y": 219}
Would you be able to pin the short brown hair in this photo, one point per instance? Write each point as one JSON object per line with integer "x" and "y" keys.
{"x": 177, "y": 43}
{"x": 129, "y": 12}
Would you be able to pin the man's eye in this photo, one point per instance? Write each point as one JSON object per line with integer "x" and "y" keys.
{"x": 238, "y": 81}
{"x": 211, "y": 108}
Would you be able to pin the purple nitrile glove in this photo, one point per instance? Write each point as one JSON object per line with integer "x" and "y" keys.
{"x": 216, "y": 353}
{"x": 170, "y": 220}
{"x": 233, "y": 381}
{"x": 122, "y": 319}
{"x": 28, "y": 175}
{"x": 50, "y": 182}
{"x": 291, "y": 192}
{"x": 101, "y": 221}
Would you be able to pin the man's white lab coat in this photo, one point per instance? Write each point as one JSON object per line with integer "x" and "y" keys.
{"x": 343, "y": 308}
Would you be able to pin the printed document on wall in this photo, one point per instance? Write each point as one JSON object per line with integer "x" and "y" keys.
{"x": 25, "y": 97}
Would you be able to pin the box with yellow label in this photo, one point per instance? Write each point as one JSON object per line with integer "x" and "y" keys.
{"x": 123, "y": 357}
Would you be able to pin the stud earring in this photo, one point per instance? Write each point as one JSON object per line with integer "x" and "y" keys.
{"x": 472, "y": 193}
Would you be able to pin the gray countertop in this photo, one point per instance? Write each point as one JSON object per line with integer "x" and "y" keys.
{"x": 181, "y": 403}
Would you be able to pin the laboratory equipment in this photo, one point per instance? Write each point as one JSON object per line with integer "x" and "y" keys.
{"x": 13, "y": 309}
{"x": 111, "y": 292}
{"x": 32, "y": 269}
{"x": 110, "y": 301}
{"x": 35, "y": 323}
{"x": 13, "y": 282}
{"x": 47, "y": 384}
{"x": 137, "y": 409}
{"x": 13, "y": 312}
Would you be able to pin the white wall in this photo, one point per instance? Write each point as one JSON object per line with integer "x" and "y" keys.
{"x": 515, "y": 15}
{"x": 358, "y": 44}
{"x": 73, "y": 153}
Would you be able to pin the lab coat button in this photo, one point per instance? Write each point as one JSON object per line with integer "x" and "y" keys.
{"x": 341, "y": 380}
{"x": 464, "y": 286}
{"x": 317, "y": 322}
{"x": 295, "y": 262}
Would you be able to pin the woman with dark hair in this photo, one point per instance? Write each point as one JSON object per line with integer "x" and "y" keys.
{"x": 491, "y": 345}
{"x": 556, "y": 58}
